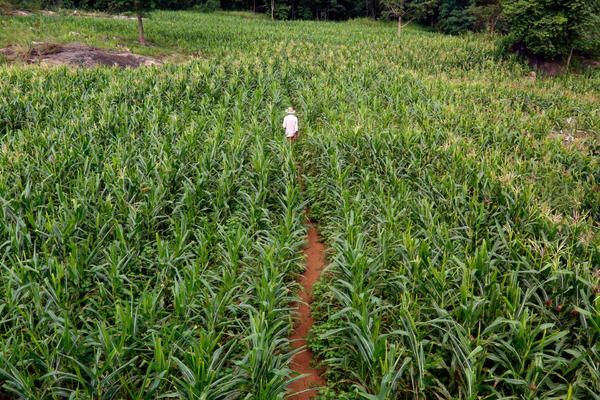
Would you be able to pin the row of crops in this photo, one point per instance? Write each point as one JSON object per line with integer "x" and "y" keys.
{"x": 443, "y": 284}
{"x": 150, "y": 236}
{"x": 463, "y": 235}
{"x": 152, "y": 220}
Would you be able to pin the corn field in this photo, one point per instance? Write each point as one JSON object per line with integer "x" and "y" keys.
{"x": 153, "y": 220}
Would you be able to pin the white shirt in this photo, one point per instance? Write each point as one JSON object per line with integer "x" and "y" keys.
{"x": 290, "y": 124}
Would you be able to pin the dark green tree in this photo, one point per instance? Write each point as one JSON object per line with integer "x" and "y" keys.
{"x": 553, "y": 28}
{"x": 425, "y": 11}
{"x": 486, "y": 14}
{"x": 455, "y": 16}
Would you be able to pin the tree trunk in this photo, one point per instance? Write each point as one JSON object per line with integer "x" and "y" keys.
{"x": 568, "y": 65}
{"x": 399, "y": 24}
{"x": 141, "y": 30}
{"x": 272, "y": 9}
{"x": 254, "y": 6}
{"x": 370, "y": 4}
{"x": 493, "y": 25}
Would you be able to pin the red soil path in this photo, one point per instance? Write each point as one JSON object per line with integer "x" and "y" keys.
{"x": 301, "y": 363}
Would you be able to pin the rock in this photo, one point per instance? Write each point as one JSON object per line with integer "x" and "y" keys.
{"x": 568, "y": 140}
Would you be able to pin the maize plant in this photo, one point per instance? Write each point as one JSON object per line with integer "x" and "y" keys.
{"x": 152, "y": 220}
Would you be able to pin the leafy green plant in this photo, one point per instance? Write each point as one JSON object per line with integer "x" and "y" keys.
{"x": 553, "y": 29}
{"x": 152, "y": 221}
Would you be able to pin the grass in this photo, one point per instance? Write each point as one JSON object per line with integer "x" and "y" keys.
{"x": 152, "y": 219}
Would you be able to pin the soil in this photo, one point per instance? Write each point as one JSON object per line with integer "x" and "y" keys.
{"x": 98, "y": 15}
{"x": 18, "y": 13}
{"x": 549, "y": 68}
{"x": 302, "y": 363}
{"x": 22, "y": 13}
{"x": 546, "y": 67}
{"x": 591, "y": 63}
{"x": 583, "y": 141}
{"x": 84, "y": 56}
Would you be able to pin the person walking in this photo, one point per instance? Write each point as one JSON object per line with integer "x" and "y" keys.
{"x": 290, "y": 124}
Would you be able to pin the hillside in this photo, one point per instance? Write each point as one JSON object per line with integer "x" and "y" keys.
{"x": 153, "y": 219}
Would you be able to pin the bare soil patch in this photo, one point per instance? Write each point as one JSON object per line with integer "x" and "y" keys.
{"x": 18, "y": 13}
{"x": 302, "y": 363}
{"x": 550, "y": 67}
{"x": 591, "y": 63}
{"x": 582, "y": 140}
{"x": 97, "y": 15}
{"x": 78, "y": 55}
{"x": 22, "y": 13}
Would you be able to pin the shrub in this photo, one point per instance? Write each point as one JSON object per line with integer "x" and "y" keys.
{"x": 487, "y": 15}
{"x": 455, "y": 16}
{"x": 553, "y": 28}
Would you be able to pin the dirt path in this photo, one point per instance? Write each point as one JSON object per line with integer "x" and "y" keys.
{"x": 301, "y": 363}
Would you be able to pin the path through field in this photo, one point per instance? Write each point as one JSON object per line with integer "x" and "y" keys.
{"x": 302, "y": 361}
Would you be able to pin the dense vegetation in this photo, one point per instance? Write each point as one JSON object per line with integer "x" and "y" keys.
{"x": 551, "y": 29}
{"x": 555, "y": 28}
{"x": 456, "y": 271}
{"x": 152, "y": 219}
{"x": 150, "y": 230}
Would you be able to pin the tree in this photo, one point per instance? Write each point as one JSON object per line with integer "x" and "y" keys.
{"x": 553, "y": 28}
{"x": 487, "y": 14}
{"x": 139, "y": 8}
{"x": 406, "y": 11}
{"x": 455, "y": 16}
{"x": 396, "y": 9}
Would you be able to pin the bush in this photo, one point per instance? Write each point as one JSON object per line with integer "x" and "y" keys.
{"x": 553, "y": 28}
{"x": 487, "y": 15}
{"x": 455, "y": 16}
{"x": 207, "y": 6}
{"x": 24, "y": 5}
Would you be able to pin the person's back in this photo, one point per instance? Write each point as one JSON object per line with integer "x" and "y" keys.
{"x": 290, "y": 123}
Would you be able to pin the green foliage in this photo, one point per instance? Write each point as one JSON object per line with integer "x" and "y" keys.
{"x": 207, "y": 6}
{"x": 23, "y": 4}
{"x": 487, "y": 15}
{"x": 116, "y": 5}
{"x": 553, "y": 28}
{"x": 152, "y": 221}
{"x": 135, "y": 6}
{"x": 425, "y": 11}
{"x": 455, "y": 16}
{"x": 150, "y": 233}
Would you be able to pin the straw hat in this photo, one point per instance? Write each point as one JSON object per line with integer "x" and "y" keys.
{"x": 290, "y": 110}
